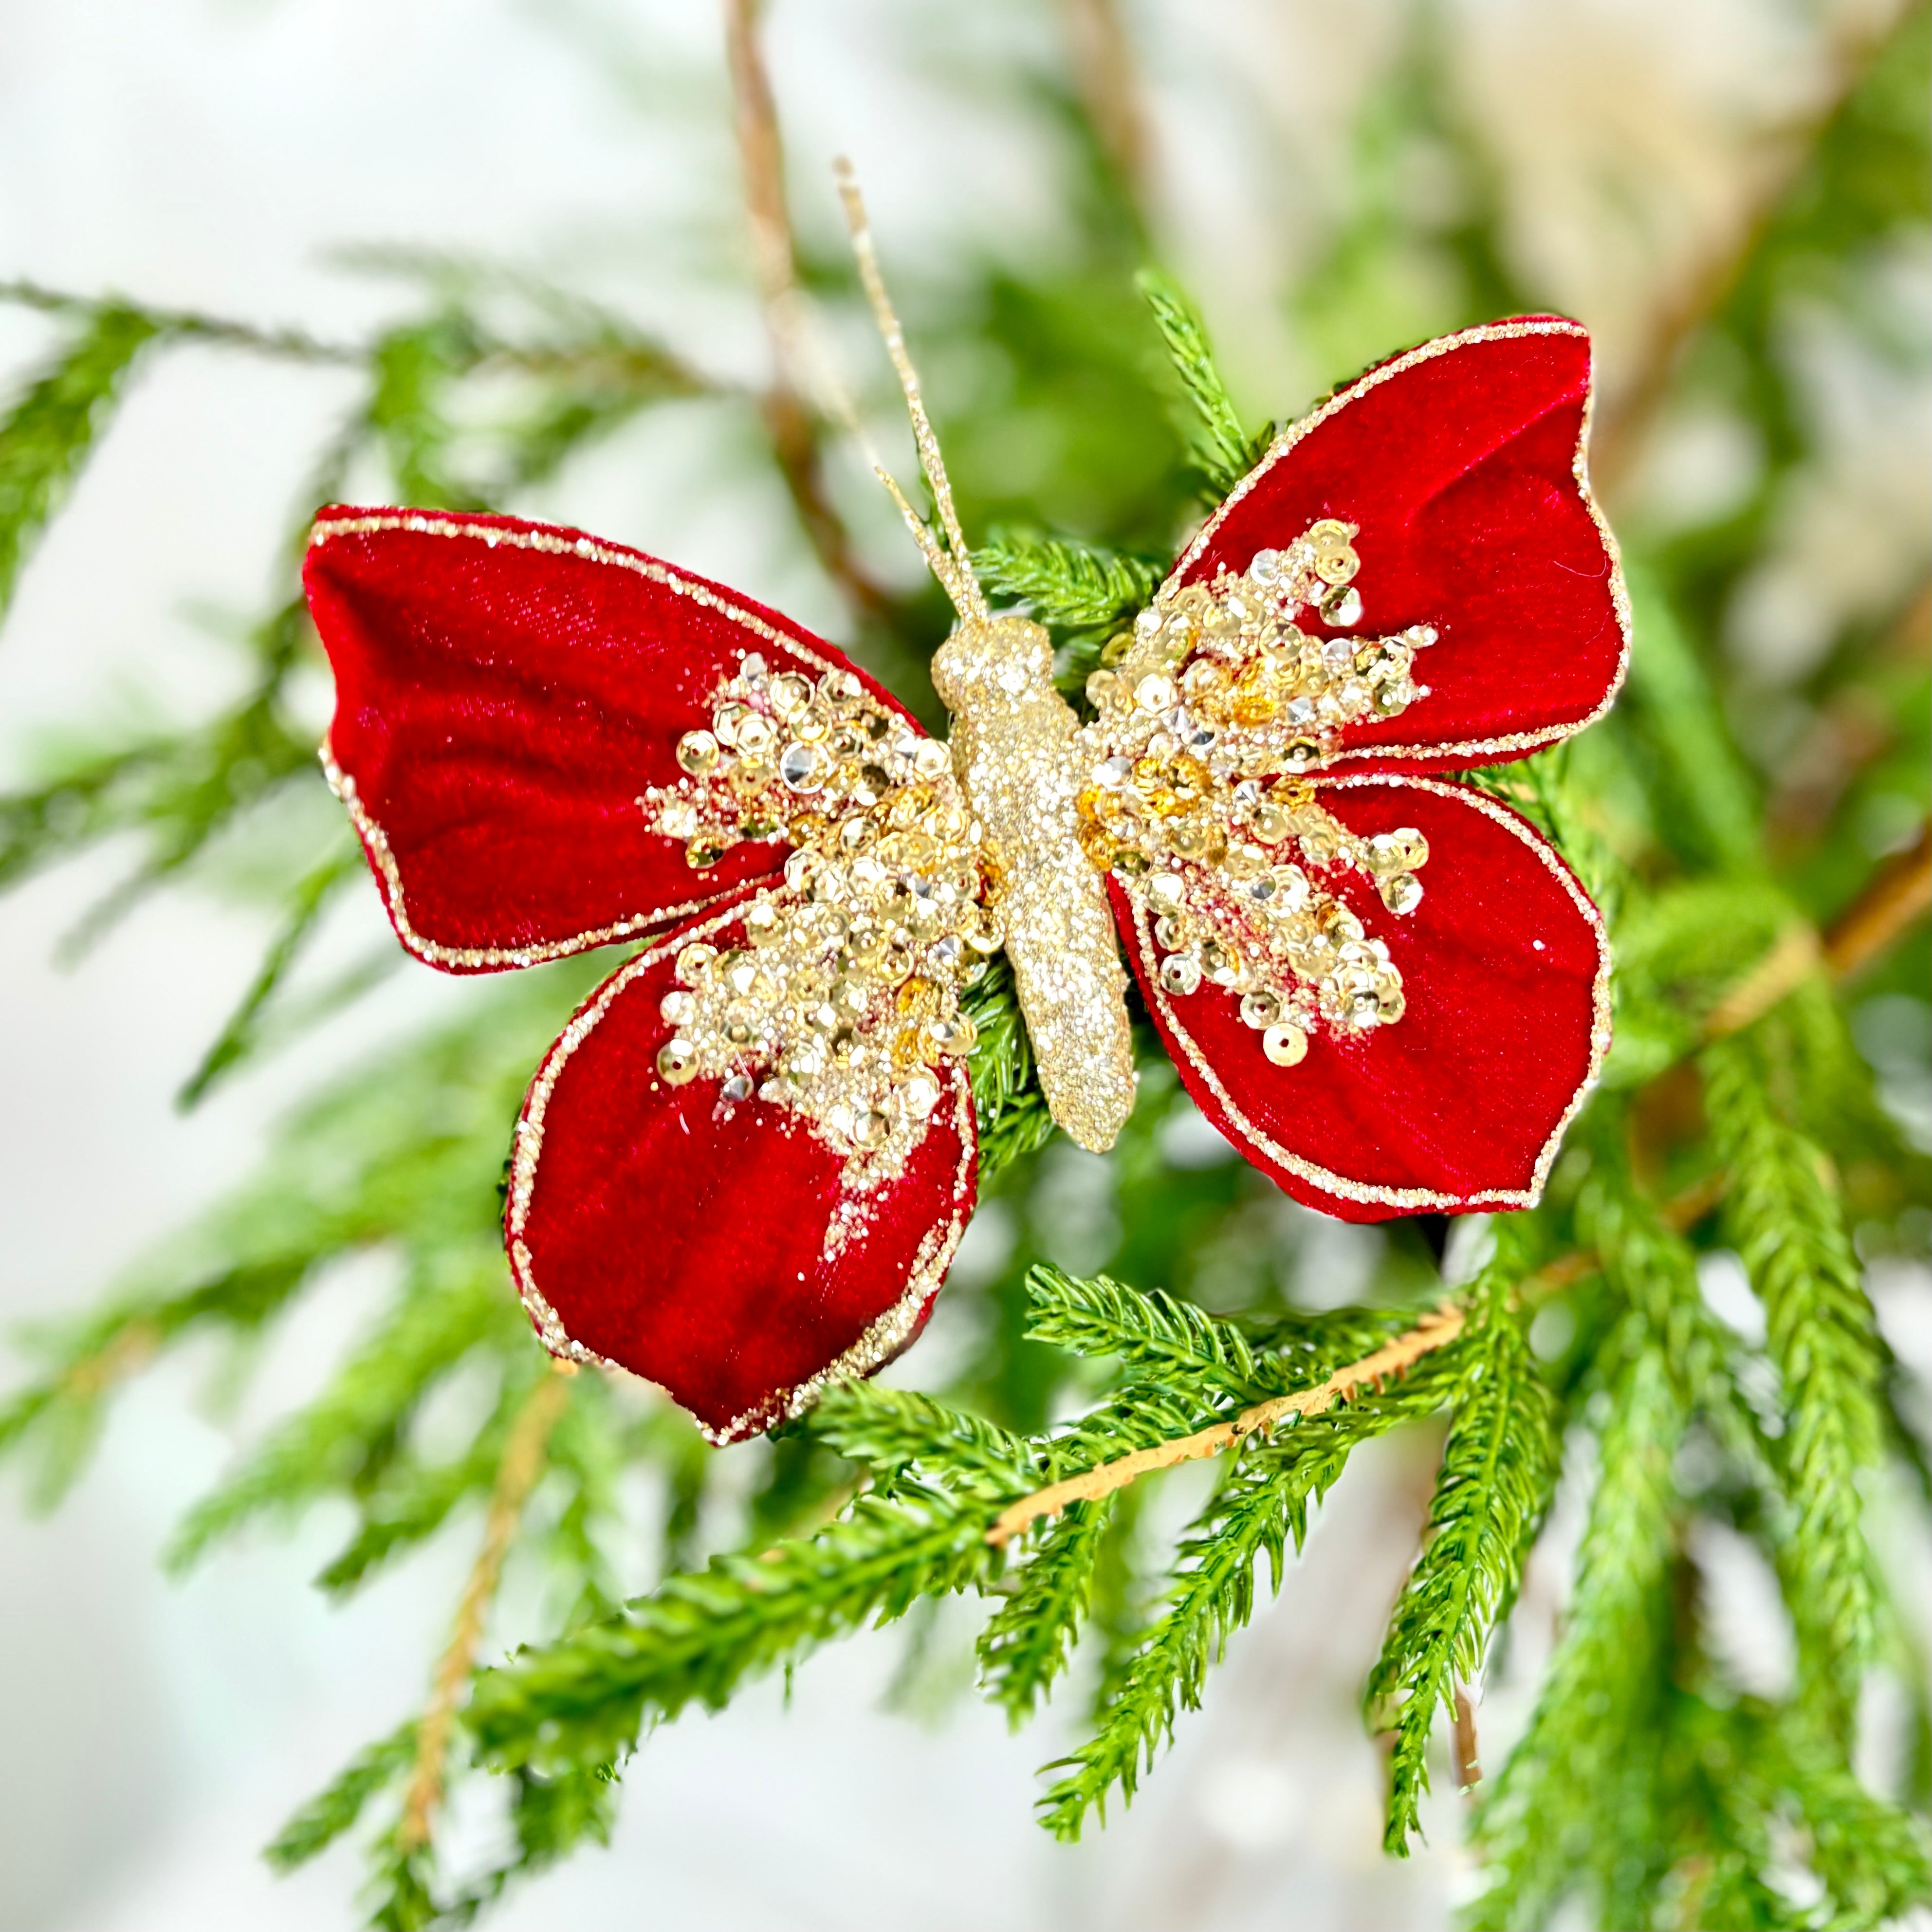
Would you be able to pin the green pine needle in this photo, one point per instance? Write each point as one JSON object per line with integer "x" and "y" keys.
{"x": 46, "y": 435}
{"x": 1786, "y": 1219}
{"x": 1499, "y": 1467}
{"x": 1074, "y": 586}
{"x": 1217, "y": 446}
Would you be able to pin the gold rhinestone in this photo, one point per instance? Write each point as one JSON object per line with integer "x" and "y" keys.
{"x": 1286, "y": 1044}
{"x": 677, "y": 1061}
{"x": 1270, "y": 824}
{"x": 1260, "y": 1009}
{"x": 1180, "y": 973}
{"x": 790, "y": 693}
{"x": 954, "y": 1036}
{"x": 1402, "y": 892}
{"x": 698, "y": 752}
{"x": 1097, "y": 843}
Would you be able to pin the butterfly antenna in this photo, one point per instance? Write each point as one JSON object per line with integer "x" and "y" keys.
{"x": 953, "y": 565}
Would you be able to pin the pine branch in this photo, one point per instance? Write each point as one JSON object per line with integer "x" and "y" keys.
{"x": 241, "y": 1032}
{"x": 1028, "y": 1641}
{"x": 1498, "y": 1467}
{"x": 1078, "y": 587}
{"x": 1575, "y": 1792}
{"x": 698, "y": 1637}
{"x": 331, "y": 1812}
{"x": 1262, "y": 1502}
{"x": 46, "y": 435}
{"x": 1157, "y": 1337}
{"x": 1217, "y": 446}
{"x": 1788, "y": 1226}
{"x": 1011, "y": 1110}
{"x": 352, "y": 1428}
{"x": 1395, "y": 1357}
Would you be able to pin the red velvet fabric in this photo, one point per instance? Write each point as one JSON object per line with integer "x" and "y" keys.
{"x": 1457, "y": 1106}
{"x": 1459, "y": 463}
{"x": 687, "y": 1240}
{"x": 504, "y": 692}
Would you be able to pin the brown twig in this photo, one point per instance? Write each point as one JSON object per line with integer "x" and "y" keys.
{"x": 517, "y": 1474}
{"x": 1469, "y": 1753}
{"x": 130, "y": 1349}
{"x": 1624, "y": 423}
{"x": 1392, "y": 1358}
{"x": 1899, "y": 895}
{"x": 1104, "y": 77}
{"x": 791, "y": 426}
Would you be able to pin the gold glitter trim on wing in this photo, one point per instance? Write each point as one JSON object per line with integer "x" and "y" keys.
{"x": 376, "y": 842}
{"x": 434, "y": 951}
{"x": 1412, "y": 1200}
{"x": 886, "y": 1334}
{"x": 1471, "y": 751}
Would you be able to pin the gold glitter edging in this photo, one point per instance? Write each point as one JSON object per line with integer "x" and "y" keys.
{"x": 375, "y": 840}
{"x": 1413, "y": 1200}
{"x": 433, "y": 952}
{"x": 879, "y": 1342}
{"x": 1471, "y": 751}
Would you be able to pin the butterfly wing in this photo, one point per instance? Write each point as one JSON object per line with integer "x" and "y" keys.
{"x": 727, "y": 1224}
{"x": 744, "y": 1166}
{"x": 1377, "y": 1063}
{"x": 1460, "y": 468}
{"x": 510, "y": 698}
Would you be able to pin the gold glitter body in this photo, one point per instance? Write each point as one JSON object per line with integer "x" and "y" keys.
{"x": 1023, "y": 760}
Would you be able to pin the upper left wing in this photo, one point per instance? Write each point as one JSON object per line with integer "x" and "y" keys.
{"x": 509, "y": 702}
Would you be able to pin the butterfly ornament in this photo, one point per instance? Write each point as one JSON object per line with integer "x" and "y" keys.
{"x": 743, "y": 1168}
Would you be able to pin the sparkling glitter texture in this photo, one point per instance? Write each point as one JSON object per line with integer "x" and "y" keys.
{"x": 841, "y": 1002}
{"x": 1208, "y": 710}
{"x": 1023, "y": 759}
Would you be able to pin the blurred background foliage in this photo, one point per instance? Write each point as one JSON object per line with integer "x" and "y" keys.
{"x": 1753, "y": 817}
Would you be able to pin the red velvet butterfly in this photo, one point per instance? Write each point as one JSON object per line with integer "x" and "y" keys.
{"x": 745, "y": 1164}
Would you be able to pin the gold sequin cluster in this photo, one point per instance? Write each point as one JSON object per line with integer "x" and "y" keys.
{"x": 782, "y": 758}
{"x": 1207, "y": 709}
{"x": 845, "y": 996}
{"x": 1224, "y": 671}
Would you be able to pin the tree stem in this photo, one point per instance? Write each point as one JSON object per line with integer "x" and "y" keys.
{"x": 788, "y": 422}
{"x": 1394, "y": 1357}
{"x": 517, "y": 1475}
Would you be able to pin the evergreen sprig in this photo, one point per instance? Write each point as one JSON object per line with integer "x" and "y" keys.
{"x": 1073, "y": 586}
{"x": 45, "y": 436}
{"x": 1787, "y": 1222}
{"x": 1498, "y": 1467}
{"x": 1647, "y": 1790}
{"x": 1262, "y": 1503}
{"x": 1576, "y": 1802}
{"x": 1217, "y": 446}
